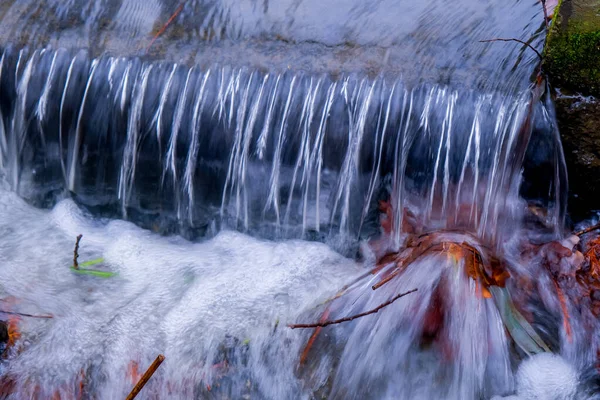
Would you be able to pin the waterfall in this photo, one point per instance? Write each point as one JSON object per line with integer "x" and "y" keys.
{"x": 284, "y": 153}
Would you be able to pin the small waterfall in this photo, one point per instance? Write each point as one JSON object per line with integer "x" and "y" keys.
{"x": 282, "y": 153}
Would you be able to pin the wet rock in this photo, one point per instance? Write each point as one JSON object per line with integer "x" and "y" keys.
{"x": 3, "y": 333}
{"x": 572, "y": 60}
{"x": 579, "y": 124}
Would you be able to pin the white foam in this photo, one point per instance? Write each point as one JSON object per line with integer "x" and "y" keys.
{"x": 170, "y": 296}
{"x": 545, "y": 376}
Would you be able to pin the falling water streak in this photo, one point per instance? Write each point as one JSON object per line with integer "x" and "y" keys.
{"x": 447, "y": 125}
{"x": 43, "y": 101}
{"x": 123, "y": 87}
{"x": 509, "y": 149}
{"x": 308, "y": 153}
{"x": 489, "y": 190}
{"x": 443, "y": 138}
{"x": 192, "y": 157}
{"x": 475, "y": 129}
{"x": 273, "y": 198}
{"x": 378, "y": 156}
{"x": 232, "y": 89}
{"x": 475, "y": 207}
{"x": 403, "y": 145}
{"x": 318, "y": 159}
{"x": 497, "y": 176}
{"x": 72, "y": 169}
{"x": 19, "y": 125}
{"x": 350, "y": 101}
{"x": 424, "y": 120}
{"x": 44, "y": 98}
{"x": 234, "y": 155}
{"x": 111, "y": 72}
{"x": 3, "y": 138}
{"x": 301, "y": 148}
{"x": 18, "y": 67}
{"x": 262, "y": 140}
{"x": 306, "y": 119}
{"x": 349, "y": 171}
{"x": 560, "y": 182}
{"x": 238, "y": 155}
{"x": 220, "y": 106}
{"x": 171, "y": 160}
{"x": 134, "y": 138}
{"x": 158, "y": 116}
{"x": 61, "y": 133}
{"x": 243, "y": 166}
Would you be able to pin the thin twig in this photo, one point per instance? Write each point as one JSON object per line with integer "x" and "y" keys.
{"x": 545, "y": 13}
{"x": 25, "y": 315}
{"x": 588, "y": 229}
{"x": 76, "y": 252}
{"x": 165, "y": 26}
{"x": 146, "y": 377}
{"x": 513, "y": 40}
{"x": 347, "y": 319}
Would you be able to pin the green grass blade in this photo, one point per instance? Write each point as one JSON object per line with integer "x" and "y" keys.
{"x": 94, "y": 272}
{"x": 92, "y": 262}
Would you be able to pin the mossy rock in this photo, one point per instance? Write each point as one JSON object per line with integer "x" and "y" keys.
{"x": 572, "y": 53}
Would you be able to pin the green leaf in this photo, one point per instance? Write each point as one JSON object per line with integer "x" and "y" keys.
{"x": 94, "y": 272}
{"x": 519, "y": 328}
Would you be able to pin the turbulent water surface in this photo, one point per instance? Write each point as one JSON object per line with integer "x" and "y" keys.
{"x": 228, "y": 172}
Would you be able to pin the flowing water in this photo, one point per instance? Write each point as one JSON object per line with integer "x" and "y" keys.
{"x": 227, "y": 172}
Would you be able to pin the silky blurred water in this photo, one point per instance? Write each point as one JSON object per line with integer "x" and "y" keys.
{"x": 422, "y": 40}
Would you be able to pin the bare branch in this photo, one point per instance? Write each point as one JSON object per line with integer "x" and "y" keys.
{"x": 513, "y": 40}
{"x": 545, "y": 13}
{"x": 347, "y": 319}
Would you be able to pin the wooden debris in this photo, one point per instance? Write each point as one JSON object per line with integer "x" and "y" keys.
{"x": 76, "y": 252}
{"x": 546, "y": 18}
{"x": 25, "y": 315}
{"x": 165, "y": 26}
{"x": 146, "y": 377}
{"x": 588, "y": 230}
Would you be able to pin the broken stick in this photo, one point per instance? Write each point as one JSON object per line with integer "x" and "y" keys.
{"x": 588, "y": 230}
{"x": 353, "y": 317}
{"x": 146, "y": 377}
{"x": 76, "y": 252}
{"x": 165, "y": 26}
{"x": 18, "y": 314}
